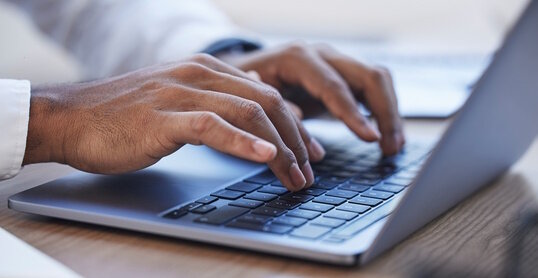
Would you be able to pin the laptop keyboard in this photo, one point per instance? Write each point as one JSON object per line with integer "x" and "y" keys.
{"x": 353, "y": 184}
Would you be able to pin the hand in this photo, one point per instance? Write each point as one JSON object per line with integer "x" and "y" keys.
{"x": 335, "y": 79}
{"x": 129, "y": 122}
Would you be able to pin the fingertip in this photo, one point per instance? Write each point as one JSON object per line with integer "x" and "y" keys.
{"x": 308, "y": 173}
{"x": 297, "y": 177}
{"x": 315, "y": 150}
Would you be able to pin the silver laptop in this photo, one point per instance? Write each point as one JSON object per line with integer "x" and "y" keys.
{"x": 361, "y": 204}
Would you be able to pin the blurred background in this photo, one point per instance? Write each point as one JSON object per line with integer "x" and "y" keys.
{"x": 440, "y": 46}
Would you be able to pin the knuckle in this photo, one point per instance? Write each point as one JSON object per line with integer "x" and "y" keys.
{"x": 379, "y": 75}
{"x": 272, "y": 99}
{"x": 204, "y": 122}
{"x": 252, "y": 111}
{"x": 300, "y": 151}
{"x": 296, "y": 48}
{"x": 203, "y": 58}
{"x": 152, "y": 85}
{"x": 288, "y": 156}
{"x": 333, "y": 84}
{"x": 323, "y": 46}
{"x": 193, "y": 69}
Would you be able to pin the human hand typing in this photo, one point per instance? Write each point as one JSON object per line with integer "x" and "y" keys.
{"x": 338, "y": 81}
{"x": 129, "y": 122}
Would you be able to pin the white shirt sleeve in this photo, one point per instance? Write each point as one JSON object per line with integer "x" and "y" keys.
{"x": 110, "y": 37}
{"x": 14, "y": 116}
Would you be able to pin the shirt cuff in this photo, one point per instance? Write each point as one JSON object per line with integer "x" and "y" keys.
{"x": 231, "y": 45}
{"x": 14, "y": 117}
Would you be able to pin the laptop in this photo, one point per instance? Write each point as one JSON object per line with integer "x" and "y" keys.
{"x": 361, "y": 203}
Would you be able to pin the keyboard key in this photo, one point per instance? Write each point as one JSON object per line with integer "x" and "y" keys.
{"x": 277, "y": 183}
{"x": 364, "y": 222}
{"x": 335, "y": 201}
{"x": 365, "y": 201}
{"x": 273, "y": 190}
{"x": 255, "y": 218}
{"x": 354, "y": 187}
{"x": 365, "y": 163}
{"x": 324, "y": 186}
{"x": 244, "y": 187}
{"x": 317, "y": 207}
{"x": 405, "y": 175}
{"x": 290, "y": 221}
{"x": 399, "y": 181}
{"x": 312, "y": 191}
{"x": 203, "y": 209}
{"x": 300, "y": 198}
{"x": 342, "y": 193}
{"x": 269, "y": 211}
{"x": 353, "y": 208}
{"x": 356, "y": 168}
{"x": 175, "y": 214}
{"x": 221, "y": 215}
{"x": 334, "y": 163}
{"x": 310, "y": 231}
{"x": 344, "y": 174}
{"x": 340, "y": 214}
{"x": 228, "y": 194}
{"x": 246, "y": 203}
{"x": 328, "y": 222}
{"x": 388, "y": 188}
{"x": 377, "y": 194}
{"x": 307, "y": 214}
{"x": 269, "y": 228}
{"x": 363, "y": 181}
{"x": 371, "y": 176}
{"x": 265, "y": 177}
{"x": 264, "y": 197}
{"x": 207, "y": 200}
{"x": 283, "y": 204}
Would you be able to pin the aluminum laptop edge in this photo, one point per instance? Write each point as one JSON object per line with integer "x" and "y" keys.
{"x": 493, "y": 129}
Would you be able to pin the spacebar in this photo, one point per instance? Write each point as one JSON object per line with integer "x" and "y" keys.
{"x": 367, "y": 220}
{"x": 221, "y": 215}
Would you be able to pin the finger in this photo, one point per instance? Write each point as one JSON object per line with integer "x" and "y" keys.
{"x": 254, "y": 75}
{"x": 316, "y": 152}
{"x": 324, "y": 83}
{"x": 295, "y": 110}
{"x": 246, "y": 115}
{"x": 209, "y": 129}
{"x": 218, "y": 65}
{"x": 274, "y": 107}
{"x": 378, "y": 92}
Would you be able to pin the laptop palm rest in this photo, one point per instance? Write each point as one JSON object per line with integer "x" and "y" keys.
{"x": 190, "y": 173}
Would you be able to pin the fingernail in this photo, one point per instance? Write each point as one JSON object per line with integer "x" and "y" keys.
{"x": 264, "y": 149}
{"x": 316, "y": 149}
{"x": 297, "y": 177}
{"x": 308, "y": 173}
{"x": 372, "y": 132}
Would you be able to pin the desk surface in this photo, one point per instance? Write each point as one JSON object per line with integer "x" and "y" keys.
{"x": 472, "y": 238}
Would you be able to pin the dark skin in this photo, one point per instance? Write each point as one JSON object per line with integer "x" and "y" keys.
{"x": 130, "y": 122}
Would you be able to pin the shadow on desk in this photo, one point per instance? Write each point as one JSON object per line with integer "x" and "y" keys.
{"x": 473, "y": 239}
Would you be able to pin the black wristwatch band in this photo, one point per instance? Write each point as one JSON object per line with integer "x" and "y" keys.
{"x": 231, "y": 45}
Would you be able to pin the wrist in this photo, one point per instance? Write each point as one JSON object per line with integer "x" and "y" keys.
{"x": 46, "y": 128}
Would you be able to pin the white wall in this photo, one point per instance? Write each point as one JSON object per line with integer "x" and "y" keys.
{"x": 459, "y": 21}
{"x": 24, "y": 53}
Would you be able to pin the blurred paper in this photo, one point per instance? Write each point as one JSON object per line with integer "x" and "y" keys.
{"x": 18, "y": 259}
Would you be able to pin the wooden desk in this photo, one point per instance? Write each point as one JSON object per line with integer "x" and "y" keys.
{"x": 469, "y": 239}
